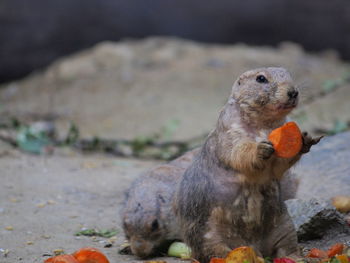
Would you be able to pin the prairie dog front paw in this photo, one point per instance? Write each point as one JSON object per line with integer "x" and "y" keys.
{"x": 265, "y": 150}
{"x": 308, "y": 142}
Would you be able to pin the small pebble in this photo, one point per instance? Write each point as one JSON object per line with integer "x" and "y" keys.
{"x": 58, "y": 251}
{"x": 4, "y": 252}
{"x": 30, "y": 243}
{"x": 14, "y": 200}
{"x": 41, "y": 205}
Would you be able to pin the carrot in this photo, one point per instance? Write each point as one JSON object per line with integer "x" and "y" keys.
{"x": 336, "y": 249}
{"x": 90, "y": 255}
{"x": 317, "y": 253}
{"x": 242, "y": 254}
{"x": 283, "y": 260}
{"x": 343, "y": 258}
{"x": 62, "y": 259}
{"x": 217, "y": 260}
{"x": 286, "y": 140}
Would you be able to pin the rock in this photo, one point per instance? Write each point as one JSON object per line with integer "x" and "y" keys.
{"x": 323, "y": 173}
{"x": 314, "y": 219}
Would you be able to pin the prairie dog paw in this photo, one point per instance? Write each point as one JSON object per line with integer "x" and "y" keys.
{"x": 265, "y": 150}
{"x": 308, "y": 141}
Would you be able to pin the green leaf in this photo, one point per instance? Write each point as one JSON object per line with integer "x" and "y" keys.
{"x": 72, "y": 135}
{"x": 30, "y": 140}
{"x": 107, "y": 233}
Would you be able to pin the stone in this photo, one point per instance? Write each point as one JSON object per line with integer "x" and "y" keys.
{"x": 315, "y": 219}
{"x": 323, "y": 173}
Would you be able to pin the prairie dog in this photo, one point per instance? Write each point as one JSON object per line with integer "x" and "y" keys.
{"x": 230, "y": 195}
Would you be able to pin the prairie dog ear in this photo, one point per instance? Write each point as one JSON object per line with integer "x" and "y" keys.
{"x": 236, "y": 87}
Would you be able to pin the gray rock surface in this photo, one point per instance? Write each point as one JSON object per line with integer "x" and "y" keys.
{"x": 325, "y": 171}
{"x": 314, "y": 219}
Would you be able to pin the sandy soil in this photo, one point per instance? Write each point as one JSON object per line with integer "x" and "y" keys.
{"x": 46, "y": 200}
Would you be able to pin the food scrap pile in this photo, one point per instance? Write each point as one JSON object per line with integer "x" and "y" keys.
{"x": 337, "y": 253}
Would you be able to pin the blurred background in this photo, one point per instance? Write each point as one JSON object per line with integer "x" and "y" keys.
{"x": 36, "y": 32}
{"x": 125, "y": 69}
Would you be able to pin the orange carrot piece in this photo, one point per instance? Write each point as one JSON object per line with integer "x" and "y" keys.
{"x": 61, "y": 259}
{"x": 336, "y": 249}
{"x": 90, "y": 255}
{"x": 343, "y": 258}
{"x": 286, "y": 140}
{"x": 217, "y": 260}
{"x": 317, "y": 253}
{"x": 242, "y": 254}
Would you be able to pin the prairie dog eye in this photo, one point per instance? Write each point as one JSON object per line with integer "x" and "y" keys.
{"x": 261, "y": 79}
{"x": 155, "y": 225}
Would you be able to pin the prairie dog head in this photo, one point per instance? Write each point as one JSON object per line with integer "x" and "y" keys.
{"x": 144, "y": 236}
{"x": 265, "y": 93}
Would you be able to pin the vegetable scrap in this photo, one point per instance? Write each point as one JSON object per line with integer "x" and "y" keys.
{"x": 90, "y": 255}
{"x": 286, "y": 140}
{"x": 335, "y": 254}
{"x": 343, "y": 258}
{"x": 241, "y": 255}
{"x": 317, "y": 253}
{"x": 62, "y": 259}
{"x": 180, "y": 250}
{"x": 283, "y": 260}
{"x": 341, "y": 203}
{"x": 108, "y": 233}
{"x": 83, "y": 255}
{"x": 217, "y": 260}
{"x": 334, "y": 250}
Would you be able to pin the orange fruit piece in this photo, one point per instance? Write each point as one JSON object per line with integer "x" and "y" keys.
{"x": 336, "y": 249}
{"x": 217, "y": 260}
{"x": 317, "y": 253}
{"x": 242, "y": 254}
{"x": 90, "y": 255}
{"x": 343, "y": 258}
{"x": 62, "y": 259}
{"x": 286, "y": 140}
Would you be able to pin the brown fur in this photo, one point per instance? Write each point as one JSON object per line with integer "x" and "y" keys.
{"x": 148, "y": 219}
{"x": 230, "y": 195}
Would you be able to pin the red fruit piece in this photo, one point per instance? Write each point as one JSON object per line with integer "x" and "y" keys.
{"x": 90, "y": 255}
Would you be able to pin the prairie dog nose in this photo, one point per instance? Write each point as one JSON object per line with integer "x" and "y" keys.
{"x": 293, "y": 94}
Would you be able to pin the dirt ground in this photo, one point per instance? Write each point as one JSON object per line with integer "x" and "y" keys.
{"x": 46, "y": 200}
